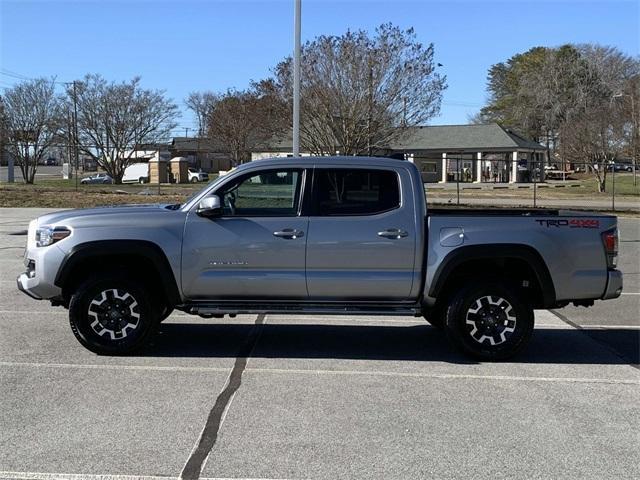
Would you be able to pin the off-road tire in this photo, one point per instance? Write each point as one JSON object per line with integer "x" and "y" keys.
{"x": 488, "y": 321}
{"x": 112, "y": 314}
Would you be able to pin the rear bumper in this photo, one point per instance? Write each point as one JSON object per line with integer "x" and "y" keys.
{"x": 614, "y": 285}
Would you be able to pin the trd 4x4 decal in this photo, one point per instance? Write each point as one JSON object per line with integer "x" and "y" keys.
{"x": 570, "y": 223}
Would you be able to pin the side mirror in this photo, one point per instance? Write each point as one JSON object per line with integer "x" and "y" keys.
{"x": 209, "y": 206}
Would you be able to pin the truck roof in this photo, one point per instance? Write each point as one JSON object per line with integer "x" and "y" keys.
{"x": 332, "y": 160}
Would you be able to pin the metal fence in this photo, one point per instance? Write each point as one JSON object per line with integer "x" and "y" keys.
{"x": 536, "y": 183}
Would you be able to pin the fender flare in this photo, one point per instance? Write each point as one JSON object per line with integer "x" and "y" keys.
{"x": 525, "y": 253}
{"x": 150, "y": 251}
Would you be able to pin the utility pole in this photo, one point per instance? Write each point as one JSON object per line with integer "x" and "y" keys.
{"x": 370, "y": 107}
{"x": 296, "y": 78}
{"x": 635, "y": 139}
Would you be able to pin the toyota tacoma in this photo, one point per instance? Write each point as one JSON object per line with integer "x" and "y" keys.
{"x": 332, "y": 235}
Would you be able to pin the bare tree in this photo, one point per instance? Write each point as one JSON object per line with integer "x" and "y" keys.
{"x": 240, "y": 121}
{"x": 565, "y": 97}
{"x": 595, "y": 130}
{"x": 32, "y": 121}
{"x": 201, "y": 104}
{"x": 591, "y": 140}
{"x": 358, "y": 92}
{"x": 114, "y": 119}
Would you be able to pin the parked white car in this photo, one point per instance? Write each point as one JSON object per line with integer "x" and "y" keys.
{"x": 198, "y": 176}
{"x": 136, "y": 173}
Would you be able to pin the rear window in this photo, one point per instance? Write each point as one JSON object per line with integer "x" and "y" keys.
{"x": 355, "y": 191}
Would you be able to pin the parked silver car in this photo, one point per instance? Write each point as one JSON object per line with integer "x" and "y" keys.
{"x": 97, "y": 178}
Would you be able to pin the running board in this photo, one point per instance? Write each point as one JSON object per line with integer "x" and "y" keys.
{"x": 209, "y": 309}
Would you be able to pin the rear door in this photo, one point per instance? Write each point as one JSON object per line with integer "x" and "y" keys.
{"x": 361, "y": 235}
{"x": 256, "y": 249}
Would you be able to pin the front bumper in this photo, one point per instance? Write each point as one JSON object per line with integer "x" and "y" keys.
{"x": 25, "y": 284}
{"x": 614, "y": 285}
{"x": 38, "y": 281}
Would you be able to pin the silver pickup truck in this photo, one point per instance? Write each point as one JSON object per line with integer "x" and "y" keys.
{"x": 333, "y": 235}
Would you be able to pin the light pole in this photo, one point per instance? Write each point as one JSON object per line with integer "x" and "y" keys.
{"x": 634, "y": 137}
{"x": 296, "y": 78}
{"x": 75, "y": 131}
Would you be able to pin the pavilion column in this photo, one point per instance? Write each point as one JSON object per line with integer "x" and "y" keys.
{"x": 443, "y": 179}
{"x": 540, "y": 166}
{"x": 514, "y": 168}
{"x": 478, "y": 167}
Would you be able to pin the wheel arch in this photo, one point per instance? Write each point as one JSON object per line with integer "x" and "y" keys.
{"x": 133, "y": 254}
{"x": 503, "y": 260}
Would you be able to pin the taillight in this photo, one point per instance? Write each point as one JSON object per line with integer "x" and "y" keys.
{"x": 610, "y": 241}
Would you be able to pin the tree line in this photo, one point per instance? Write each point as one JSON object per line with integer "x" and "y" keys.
{"x": 581, "y": 101}
{"x": 359, "y": 92}
{"x": 106, "y": 121}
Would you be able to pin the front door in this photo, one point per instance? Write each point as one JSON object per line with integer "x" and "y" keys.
{"x": 361, "y": 239}
{"x": 256, "y": 248}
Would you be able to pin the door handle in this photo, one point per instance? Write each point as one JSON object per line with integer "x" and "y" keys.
{"x": 289, "y": 233}
{"x": 394, "y": 233}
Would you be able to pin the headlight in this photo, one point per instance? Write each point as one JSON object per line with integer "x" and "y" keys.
{"x": 46, "y": 235}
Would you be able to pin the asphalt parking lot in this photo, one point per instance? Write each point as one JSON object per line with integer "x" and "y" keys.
{"x": 275, "y": 397}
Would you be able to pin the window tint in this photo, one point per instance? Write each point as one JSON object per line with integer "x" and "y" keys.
{"x": 268, "y": 193}
{"x": 355, "y": 192}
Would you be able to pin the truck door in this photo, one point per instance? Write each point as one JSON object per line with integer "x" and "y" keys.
{"x": 256, "y": 248}
{"x": 361, "y": 239}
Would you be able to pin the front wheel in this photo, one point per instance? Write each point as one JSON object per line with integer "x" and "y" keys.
{"x": 488, "y": 321}
{"x": 112, "y": 315}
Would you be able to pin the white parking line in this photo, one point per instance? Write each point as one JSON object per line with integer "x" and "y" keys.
{"x": 444, "y": 376}
{"x": 85, "y": 476}
{"x": 587, "y": 326}
{"x": 76, "y": 476}
{"x": 114, "y": 367}
{"x": 286, "y": 371}
{"x": 31, "y": 312}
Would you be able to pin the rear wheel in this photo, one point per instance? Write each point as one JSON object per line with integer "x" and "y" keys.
{"x": 488, "y": 321}
{"x": 112, "y": 315}
{"x": 194, "y": 179}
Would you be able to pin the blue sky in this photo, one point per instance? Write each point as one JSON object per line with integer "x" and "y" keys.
{"x": 181, "y": 46}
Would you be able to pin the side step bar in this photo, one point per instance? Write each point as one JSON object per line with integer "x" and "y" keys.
{"x": 210, "y": 309}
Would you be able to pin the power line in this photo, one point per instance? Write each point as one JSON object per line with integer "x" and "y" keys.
{"x": 9, "y": 73}
{"x": 18, "y": 76}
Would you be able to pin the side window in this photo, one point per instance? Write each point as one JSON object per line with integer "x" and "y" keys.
{"x": 355, "y": 191}
{"x": 268, "y": 193}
